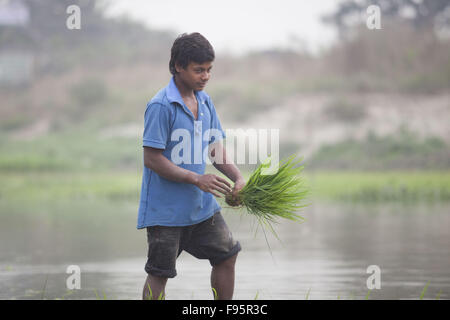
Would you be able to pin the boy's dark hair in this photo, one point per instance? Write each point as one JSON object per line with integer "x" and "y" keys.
{"x": 190, "y": 48}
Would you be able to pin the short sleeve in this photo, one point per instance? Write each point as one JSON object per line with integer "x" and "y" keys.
{"x": 156, "y": 126}
{"x": 215, "y": 125}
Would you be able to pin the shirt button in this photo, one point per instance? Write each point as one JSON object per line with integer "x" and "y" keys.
{"x": 201, "y": 113}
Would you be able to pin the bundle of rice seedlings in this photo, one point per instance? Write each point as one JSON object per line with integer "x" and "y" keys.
{"x": 269, "y": 197}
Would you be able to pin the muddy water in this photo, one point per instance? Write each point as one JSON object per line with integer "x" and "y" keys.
{"x": 325, "y": 257}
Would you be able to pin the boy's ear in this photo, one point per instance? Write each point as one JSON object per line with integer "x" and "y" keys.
{"x": 178, "y": 68}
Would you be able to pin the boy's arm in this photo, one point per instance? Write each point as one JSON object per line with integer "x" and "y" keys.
{"x": 157, "y": 162}
{"x": 228, "y": 168}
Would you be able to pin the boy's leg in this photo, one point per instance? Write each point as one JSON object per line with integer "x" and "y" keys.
{"x": 163, "y": 250}
{"x": 213, "y": 240}
{"x": 222, "y": 278}
{"x": 157, "y": 286}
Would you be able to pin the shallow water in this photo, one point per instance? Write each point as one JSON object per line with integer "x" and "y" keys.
{"x": 325, "y": 257}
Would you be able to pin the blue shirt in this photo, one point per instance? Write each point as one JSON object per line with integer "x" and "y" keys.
{"x": 171, "y": 126}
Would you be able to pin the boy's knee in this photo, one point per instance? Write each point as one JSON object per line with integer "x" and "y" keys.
{"x": 228, "y": 263}
{"x": 157, "y": 280}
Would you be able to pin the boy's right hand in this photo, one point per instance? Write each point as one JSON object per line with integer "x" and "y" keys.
{"x": 213, "y": 184}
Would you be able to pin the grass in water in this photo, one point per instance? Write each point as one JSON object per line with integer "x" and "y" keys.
{"x": 424, "y": 291}
{"x": 45, "y": 286}
{"x": 307, "y": 294}
{"x": 150, "y": 296}
{"x": 216, "y": 296}
{"x": 98, "y": 297}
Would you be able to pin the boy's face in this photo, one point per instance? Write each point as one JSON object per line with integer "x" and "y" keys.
{"x": 196, "y": 75}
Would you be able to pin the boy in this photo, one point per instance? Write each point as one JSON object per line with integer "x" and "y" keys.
{"x": 177, "y": 206}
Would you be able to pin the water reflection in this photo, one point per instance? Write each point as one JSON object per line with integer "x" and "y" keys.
{"x": 326, "y": 257}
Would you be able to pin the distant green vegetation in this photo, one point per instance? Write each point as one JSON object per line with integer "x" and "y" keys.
{"x": 403, "y": 150}
{"x": 37, "y": 187}
{"x": 72, "y": 150}
{"x": 90, "y": 149}
{"x": 401, "y": 186}
{"x": 370, "y": 187}
{"x": 76, "y": 164}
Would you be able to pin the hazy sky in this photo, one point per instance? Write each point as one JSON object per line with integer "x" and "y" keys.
{"x": 238, "y": 25}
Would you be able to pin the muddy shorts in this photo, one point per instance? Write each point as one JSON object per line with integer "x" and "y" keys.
{"x": 210, "y": 239}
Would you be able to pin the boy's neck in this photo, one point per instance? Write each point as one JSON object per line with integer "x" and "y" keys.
{"x": 183, "y": 89}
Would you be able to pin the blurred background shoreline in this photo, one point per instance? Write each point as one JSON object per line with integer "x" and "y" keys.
{"x": 380, "y": 94}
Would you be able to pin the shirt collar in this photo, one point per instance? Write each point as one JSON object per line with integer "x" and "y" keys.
{"x": 173, "y": 94}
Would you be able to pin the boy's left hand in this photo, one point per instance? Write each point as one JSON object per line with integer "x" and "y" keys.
{"x": 234, "y": 201}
